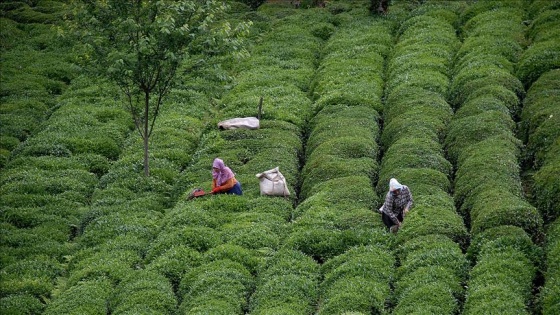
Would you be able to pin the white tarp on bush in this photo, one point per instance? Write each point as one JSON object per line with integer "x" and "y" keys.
{"x": 240, "y": 123}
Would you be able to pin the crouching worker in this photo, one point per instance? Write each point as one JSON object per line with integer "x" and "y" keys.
{"x": 223, "y": 179}
{"x": 398, "y": 202}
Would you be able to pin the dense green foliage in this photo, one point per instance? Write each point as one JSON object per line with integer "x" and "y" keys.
{"x": 458, "y": 100}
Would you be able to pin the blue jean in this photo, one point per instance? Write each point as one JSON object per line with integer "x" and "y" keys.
{"x": 235, "y": 190}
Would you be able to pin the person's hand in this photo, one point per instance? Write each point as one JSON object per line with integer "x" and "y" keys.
{"x": 406, "y": 211}
{"x": 215, "y": 190}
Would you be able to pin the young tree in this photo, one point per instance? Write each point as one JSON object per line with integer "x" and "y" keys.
{"x": 141, "y": 44}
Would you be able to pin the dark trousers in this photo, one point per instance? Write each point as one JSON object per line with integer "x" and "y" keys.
{"x": 235, "y": 190}
{"x": 387, "y": 220}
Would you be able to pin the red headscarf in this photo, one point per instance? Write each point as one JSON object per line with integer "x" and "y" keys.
{"x": 223, "y": 173}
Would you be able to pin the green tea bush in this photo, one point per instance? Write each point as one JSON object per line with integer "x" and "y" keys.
{"x": 329, "y": 167}
{"x": 140, "y": 223}
{"x": 505, "y": 270}
{"x": 143, "y": 289}
{"x": 221, "y": 280}
{"x": 430, "y": 298}
{"x": 32, "y": 276}
{"x": 21, "y": 303}
{"x": 544, "y": 26}
{"x": 188, "y": 214}
{"x": 252, "y": 260}
{"x": 505, "y": 19}
{"x": 538, "y": 59}
{"x": 490, "y": 126}
{"x": 500, "y": 51}
{"x": 25, "y": 243}
{"x": 174, "y": 262}
{"x": 284, "y": 294}
{"x": 365, "y": 261}
{"x": 354, "y": 294}
{"x": 494, "y": 298}
{"x": 280, "y": 207}
{"x": 428, "y": 251}
{"x": 494, "y": 207}
{"x": 475, "y": 174}
{"x": 469, "y": 80}
{"x": 196, "y": 237}
{"x": 505, "y": 236}
{"x": 103, "y": 264}
{"x": 539, "y": 118}
{"x": 335, "y": 122}
{"x": 284, "y": 102}
{"x": 288, "y": 282}
{"x": 416, "y": 152}
{"x": 21, "y": 117}
{"x": 414, "y": 122}
{"x": 412, "y": 58}
{"x": 416, "y": 282}
{"x": 86, "y": 297}
{"x": 547, "y": 187}
{"x": 407, "y": 98}
{"x": 46, "y": 182}
{"x": 421, "y": 180}
{"x": 252, "y": 235}
{"x": 347, "y": 193}
{"x": 541, "y": 56}
{"x": 549, "y": 295}
{"x": 485, "y": 103}
{"x": 360, "y": 37}
{"x": 425, "y": 220}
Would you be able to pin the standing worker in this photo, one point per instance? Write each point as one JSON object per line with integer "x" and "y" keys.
{"x": 398, "y": 202}
{"x": 223, "y": 179}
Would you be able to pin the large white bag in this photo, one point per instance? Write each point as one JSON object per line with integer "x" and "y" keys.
{"x": 239, "y": 123}
{"x": 273, "y": 183}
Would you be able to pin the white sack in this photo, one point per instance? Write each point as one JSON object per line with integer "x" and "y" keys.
{"x": 240, "y": 123}
{"x": 273, "y": 183}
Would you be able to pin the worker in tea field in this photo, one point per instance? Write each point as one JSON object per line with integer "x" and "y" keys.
{"x": 398, "y": 202}
{"x": 223, "y": 179}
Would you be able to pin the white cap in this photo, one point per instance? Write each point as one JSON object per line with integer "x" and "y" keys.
{"x": 394, "y": 184}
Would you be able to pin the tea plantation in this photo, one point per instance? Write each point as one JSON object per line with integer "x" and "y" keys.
{"x": 458, "y": 100}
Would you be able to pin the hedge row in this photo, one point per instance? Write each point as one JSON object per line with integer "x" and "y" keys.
{"x": 543, "y": 53}
{"x": 541, "y": 133}
{"x": 334, "y": 222}
{"x": 432, "y": 266}
{"x": 538, "y": 69}
{"x": 36, "y": 69}
{"x": 123, "y": 223}
{"x": 488, "y": 190}
{"x": 550, "y": 298}
{"x": 357, "y": 281}
{"x": 47, "y": 186}
{"x": 251, "y": 226}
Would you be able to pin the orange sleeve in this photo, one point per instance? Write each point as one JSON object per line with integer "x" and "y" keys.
{"x": 226, "y": 186}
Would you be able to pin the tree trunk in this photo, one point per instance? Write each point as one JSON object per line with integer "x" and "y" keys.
{"x": 146, "y": 135}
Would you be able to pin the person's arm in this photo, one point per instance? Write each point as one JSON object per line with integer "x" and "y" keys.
{"x": 225, "y": 187}
{"x": 410, "y": 200}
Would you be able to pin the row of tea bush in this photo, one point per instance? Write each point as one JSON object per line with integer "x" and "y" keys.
{"x": 47, "y": 186}
{"x": 540, "y": 131}
{"x": 481, "y": 142}
{"x": 431, "y": 265}
{"x": 334, "y": 221}
{"x": 256, "y": 274}
{"x": 36, "y": 69}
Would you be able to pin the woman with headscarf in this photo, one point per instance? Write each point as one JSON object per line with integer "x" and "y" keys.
{"x": 223, "y": 179}
{"x": 398, "y": 202}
